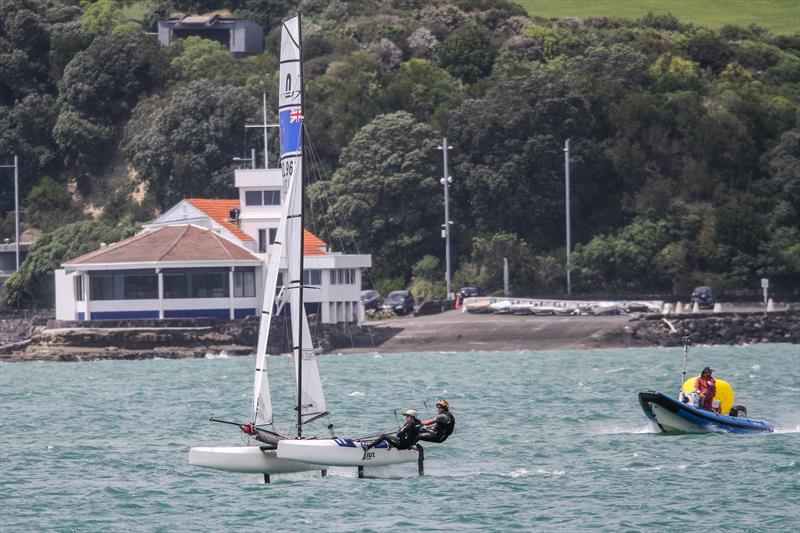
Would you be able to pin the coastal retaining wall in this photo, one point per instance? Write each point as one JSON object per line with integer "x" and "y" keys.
{"x": 19, "y": 324}
{"x": 139, "y": 339}
{"x": 724, "y": 328}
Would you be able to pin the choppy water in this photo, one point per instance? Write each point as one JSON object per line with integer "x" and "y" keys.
{"x": 545, "y": 440}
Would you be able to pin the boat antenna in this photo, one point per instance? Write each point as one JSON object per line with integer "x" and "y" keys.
{"x": 301, "y": 311}
{"x": 686, "y": 343}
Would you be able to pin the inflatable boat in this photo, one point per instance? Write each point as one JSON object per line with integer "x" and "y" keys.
{"x": 680, "y": 416}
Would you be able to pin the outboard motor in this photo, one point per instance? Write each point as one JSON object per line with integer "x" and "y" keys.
{"x": 738, "y": 411}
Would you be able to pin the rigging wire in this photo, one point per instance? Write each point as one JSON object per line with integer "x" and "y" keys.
{"x": 325, "y": 197}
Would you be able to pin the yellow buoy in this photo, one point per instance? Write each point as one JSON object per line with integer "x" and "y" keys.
{"x": 724, "y": 393}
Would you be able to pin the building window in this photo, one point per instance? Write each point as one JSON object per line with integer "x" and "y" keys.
{"x": 78, "y": 288}
{"x": 244, "y": 283}
{"x": 273, "y": 232}
{"x": 262, "y": 241}
{"x": 256, "y": 198}
{"x": 123, "y": 285}
{"x": 252, "y": 198}
{"x": 312, "y": 277}
{"x": 197, "y": 283}
{"x": 343, "y": 276}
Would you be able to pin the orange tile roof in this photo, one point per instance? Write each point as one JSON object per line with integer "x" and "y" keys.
{"x": 169, "y": 243}
{"x": 313, "y": 245}
{"x": 219, "y": 210}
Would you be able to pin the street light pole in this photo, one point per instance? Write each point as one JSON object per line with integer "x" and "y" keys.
{"x": 446, "y": 181}
{"x": 569, "y": 237}
{"x": 16, "y": 201}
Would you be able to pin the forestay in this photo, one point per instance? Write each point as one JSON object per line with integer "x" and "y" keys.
{"x": 290, "y": 109}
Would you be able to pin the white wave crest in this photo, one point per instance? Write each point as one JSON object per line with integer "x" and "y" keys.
{"x": 519, "y": 473}
{"x": 357, "y": 394}
{"x": 220, "y": 355}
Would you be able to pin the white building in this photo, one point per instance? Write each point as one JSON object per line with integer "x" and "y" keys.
{"x": 206, "y": 258}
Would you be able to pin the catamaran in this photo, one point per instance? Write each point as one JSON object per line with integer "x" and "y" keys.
{"x": 279, "y": 454}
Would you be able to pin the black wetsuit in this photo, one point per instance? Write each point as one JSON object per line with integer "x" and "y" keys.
{"x": 405, "y": 438}
{"x": 444, "y": 424}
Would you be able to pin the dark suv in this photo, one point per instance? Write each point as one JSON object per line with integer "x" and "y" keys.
{"x": 468, "y": 292}
{"x": 371, "y": 299}
{"x": 401, "y": 302}
{"x": 704, "y": 297}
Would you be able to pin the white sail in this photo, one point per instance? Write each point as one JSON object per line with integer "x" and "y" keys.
{"x": 262, "y": 402}
{"x": 290, "y": 110}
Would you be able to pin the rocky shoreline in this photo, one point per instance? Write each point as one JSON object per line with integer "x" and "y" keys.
{"x": 44, "y": 340}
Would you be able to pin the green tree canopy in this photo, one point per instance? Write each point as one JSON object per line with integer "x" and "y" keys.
{"x": 385, "y": 195}
{"x": 32, "y": 285}
{"x": 185, "y": 145}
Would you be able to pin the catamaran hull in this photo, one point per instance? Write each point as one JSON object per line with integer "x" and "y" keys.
{"x": 673, "y": 416}
{"x": 343, "y": 452}
{"x": 245, "y": 459}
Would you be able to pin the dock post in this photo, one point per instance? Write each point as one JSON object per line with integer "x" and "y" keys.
{"x": 360, "y": 471}
{"x": 266, "y": 478}
{"x": 324, "y": 472}
{"x": 421, "y": 460}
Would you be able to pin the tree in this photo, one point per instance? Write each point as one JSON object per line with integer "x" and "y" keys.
{"x": 104, "y": 82}
{"x": 384, "y": 194}
{"x": 50, "y": 205}
{"x": 101, "y": 17}
{"x": 185, "y": 146}
{"x": 467, "y": 53}
{"x": 424, "y": 90}
{"x": 32, "y": 285}
{"x": 509, "y": 161}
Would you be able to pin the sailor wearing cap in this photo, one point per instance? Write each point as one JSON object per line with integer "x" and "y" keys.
{"x": 405, "y": 438}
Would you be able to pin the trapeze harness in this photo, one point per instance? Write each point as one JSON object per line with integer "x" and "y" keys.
{"x": 442, "y": 429}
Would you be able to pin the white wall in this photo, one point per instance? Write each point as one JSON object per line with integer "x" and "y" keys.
{"x": 65, "y": 295}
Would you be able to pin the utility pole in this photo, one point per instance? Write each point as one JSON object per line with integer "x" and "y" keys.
{"x": 569, "y": 237}
{"x": 506, "y": 292}
{"x": 16, "y": 201}
{"x": 446, "y": 181}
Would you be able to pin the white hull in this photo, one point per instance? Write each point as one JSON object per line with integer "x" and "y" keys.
{"x": 244, "y": 459}
{"x": 670, "y": 421}
{"x": 342, "y": 452}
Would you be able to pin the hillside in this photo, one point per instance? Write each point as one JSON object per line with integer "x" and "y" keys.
{"x": 778, "y": 16}
{"x": 685, "y": 143}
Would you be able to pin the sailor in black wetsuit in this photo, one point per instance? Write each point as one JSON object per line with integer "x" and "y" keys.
{"x": 405, "y": 438}
{"x": 439, "y": 428}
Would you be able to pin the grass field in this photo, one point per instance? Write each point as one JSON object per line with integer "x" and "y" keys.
{"x": 778, "y": 16}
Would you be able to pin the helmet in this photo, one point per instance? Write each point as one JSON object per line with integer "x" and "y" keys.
{"x": 410, "y": 412}
{"x": 443, "y": 404}
{"x": 707, "y": 369}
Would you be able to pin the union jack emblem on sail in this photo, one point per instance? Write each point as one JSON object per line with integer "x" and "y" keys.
{"x": 295, "y": 116}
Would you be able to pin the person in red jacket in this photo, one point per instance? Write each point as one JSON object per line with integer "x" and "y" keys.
{"x": 706, "y": 387}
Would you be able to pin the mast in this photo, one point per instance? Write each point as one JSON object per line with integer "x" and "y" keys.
{"x": 301, "y": 313}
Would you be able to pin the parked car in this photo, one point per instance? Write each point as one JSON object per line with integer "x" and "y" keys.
{"x": 371, "y": 299}
{"x": 401, "y": 302}
{"x": 703, "y": 296}
{"x": 468, "y": 292}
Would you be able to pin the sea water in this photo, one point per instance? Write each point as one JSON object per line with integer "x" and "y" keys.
{"x": 551, "y": 440}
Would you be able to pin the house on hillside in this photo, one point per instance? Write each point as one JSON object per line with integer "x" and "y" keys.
{"x": 239, "y": 36}
{"x": 206, "y": 258}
